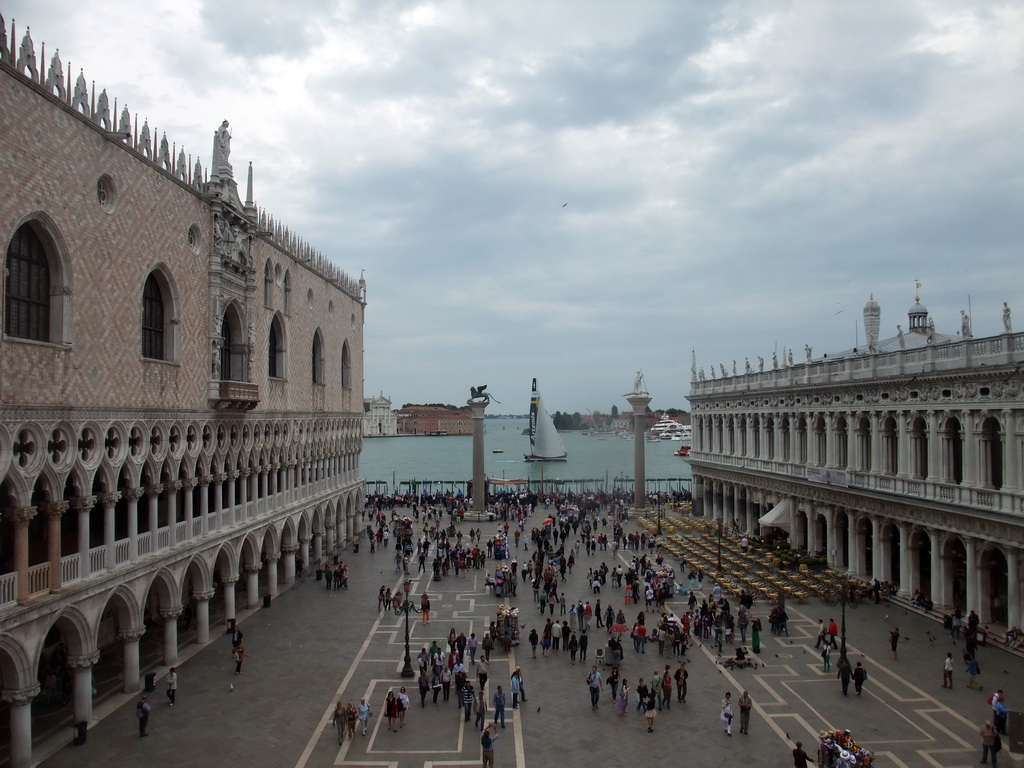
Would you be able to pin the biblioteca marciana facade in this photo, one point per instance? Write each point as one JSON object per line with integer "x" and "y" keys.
{"x": 901, "y": 461}
{"x": 181, "y": 405}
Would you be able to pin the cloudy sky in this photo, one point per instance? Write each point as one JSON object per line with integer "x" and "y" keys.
{"x": 576, "y": 190}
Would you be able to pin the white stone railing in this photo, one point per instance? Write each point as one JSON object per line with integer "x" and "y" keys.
{"x": 121, "y": 551}
{"x": 70, "y": 568}
{"x": 8, "y": 588}
{"x": 181, "y": 531}
{"x": 1004, "y": 349}
{"x": 986, "y": 499}
{"x": 97, "y": 559}
{"x": 144, "y": 544}
{"x": 39, "y": 578}
{"x": 163, "y": 538}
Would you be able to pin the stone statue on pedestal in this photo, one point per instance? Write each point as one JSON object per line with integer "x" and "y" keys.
{"x": 1006, "y": 318}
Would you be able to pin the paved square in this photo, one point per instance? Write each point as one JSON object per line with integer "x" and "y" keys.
{"x": 315, "y": 646}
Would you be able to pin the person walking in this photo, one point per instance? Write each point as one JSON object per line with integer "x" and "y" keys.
{"x": 425, "y": 608}
{"x": 424, "y": 686}
{"x": 947, "y": 671}
{"x": 651, "y": 710}
{"x": 746, "y": 704}
{"x": 859, "y": 676}
{"x": 755, "y": 635}
{"x": 622, "y": 701}
{"x": 680, "y": 676}
{"x": 172, "y": 685}
{"x": 142, "y": 710}
{"x": 239, "y": 656}
{"x": 826, "y": 657}
{"x": 391, "y": 711}
{"x": 351, "y": 718}
{"x": 973, "y": 669}
{"x": 338, "y": 720}
{"x": 480, "y": 709}
{"x": 989, "y": 739}
{"x": 363, "y": 711}
{"x": 727, "y": 713}
{"x": 800, "y": 758}
{"x": 844, "y": 672}
{"x": 894, "y": 639}
{"x": 403, "y": 705}
{"x": 595, "y": 683}
{"x": 488, "y": 738}
{"x": 468, "y": 699}
{"x": 498, "y": 700}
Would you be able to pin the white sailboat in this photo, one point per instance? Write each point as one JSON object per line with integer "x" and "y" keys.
{"x": 545, "y": 443}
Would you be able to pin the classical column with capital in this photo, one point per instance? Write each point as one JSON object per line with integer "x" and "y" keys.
{"x": 1013, "y": 592}
{"x": 288, "y": 553}
{"x": 54, "y": 511}
{"x": 252, "y": 584}
{"x": 479, "y": 477}
{"x": 272, "y": 559}
{"x": 318, "y": 547}
{"x": 228, "y": 584}
{"x": 170, "y": 617}
{"x": 639, "y": 401}
{"x": 203, "y": 616}
{"x": 172, "y": 489}
{"x": 304, "y": 550}
{"x": 130, "y": 640}
{"x": 20, "y": 702}
{"x": 83, "y": 506}
{"x": 109, "y": 502}
{"x": 153, "y": 513}
{"x": 329, "y": 524}
{"x": 20, "y": 517}
{"x": 905, "y": 560}
{"x": 82, "y": 666}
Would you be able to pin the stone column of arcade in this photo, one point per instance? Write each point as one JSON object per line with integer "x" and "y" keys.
{"x": 228, "y": 583}
{"x": 479, "y": 479}
{"x": 203, "y": 616}
{"x": 170, "y": 617}
{"x": 82, "y": 666}
{"x": 130, "y": 639}
{"x": 638, "y": 400}
{"x": 20, "y": 702}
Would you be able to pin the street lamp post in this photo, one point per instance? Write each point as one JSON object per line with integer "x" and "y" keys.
{"x": 843, "y": 600}
{"x": 405, "y": 607}
{"x": 719, "y": 545}
{"x": 659, "y": 517}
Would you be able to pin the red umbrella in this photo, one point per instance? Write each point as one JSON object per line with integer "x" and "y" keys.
{"x": 618, "y": 628}
{"x": 549, "y": 521}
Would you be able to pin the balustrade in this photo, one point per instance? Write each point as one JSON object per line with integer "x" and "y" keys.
{"x": 39, "y": 578}
{"x": 70, "y": 568}
{"x": 8, "y": 588}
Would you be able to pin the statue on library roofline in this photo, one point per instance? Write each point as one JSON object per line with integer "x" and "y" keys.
{"x": 1006, "y": 318}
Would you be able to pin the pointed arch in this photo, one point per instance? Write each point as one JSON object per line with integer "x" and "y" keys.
{"x": 277, "y": 349}
{"x": 234, "y": 348}
{"x": 317, "y": 361}
{"x": 346, "y": 366}
{"x": 37, "y": 284}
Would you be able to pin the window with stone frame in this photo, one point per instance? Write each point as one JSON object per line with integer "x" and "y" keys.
{"x": 27, "y": 290}
{"x": 317, "y": 362}
{"x": 154, "y": 344}
{"x": 275, "y": 350}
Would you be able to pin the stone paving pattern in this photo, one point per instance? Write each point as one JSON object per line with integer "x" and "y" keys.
{"x": 312, "y": 645}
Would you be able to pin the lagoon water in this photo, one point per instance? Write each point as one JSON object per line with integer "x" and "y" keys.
{"x": 396, "y": 461}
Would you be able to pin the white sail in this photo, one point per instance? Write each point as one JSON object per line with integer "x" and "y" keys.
{"x": 545, "y": 442}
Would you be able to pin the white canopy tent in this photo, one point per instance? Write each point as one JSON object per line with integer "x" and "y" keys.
{"x": 778, "y": 516}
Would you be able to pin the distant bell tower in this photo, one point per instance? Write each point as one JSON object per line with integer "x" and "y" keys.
{"x": 872, "y": 322}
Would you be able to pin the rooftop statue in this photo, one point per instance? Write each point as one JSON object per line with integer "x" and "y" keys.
{"x": 965, "y": 324}
{"x": 775, "y": 361}
{"x": 899, "y": 337}
{"x": 638, "y": 384}
{"x": 1006, "y": 318}
{"x": 807, "y": 350}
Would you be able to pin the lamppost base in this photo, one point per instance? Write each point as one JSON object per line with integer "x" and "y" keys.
{"x": 407, "y": 671}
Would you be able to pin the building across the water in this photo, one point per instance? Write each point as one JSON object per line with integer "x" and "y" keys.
{"x": 378, "y": 418}
{"x": 180, "y": 397}
{"x": 434, "y": 420}
{"x": 900, "y": 461}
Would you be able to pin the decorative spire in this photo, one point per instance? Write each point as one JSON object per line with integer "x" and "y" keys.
{"x": 248, "y": 188}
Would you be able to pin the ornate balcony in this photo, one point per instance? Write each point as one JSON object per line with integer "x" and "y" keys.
{"x": 237, "y": 396}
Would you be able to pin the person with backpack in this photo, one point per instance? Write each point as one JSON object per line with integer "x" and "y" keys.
{"x": 142, "y": 710}
{"x": 989, "y": 741}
